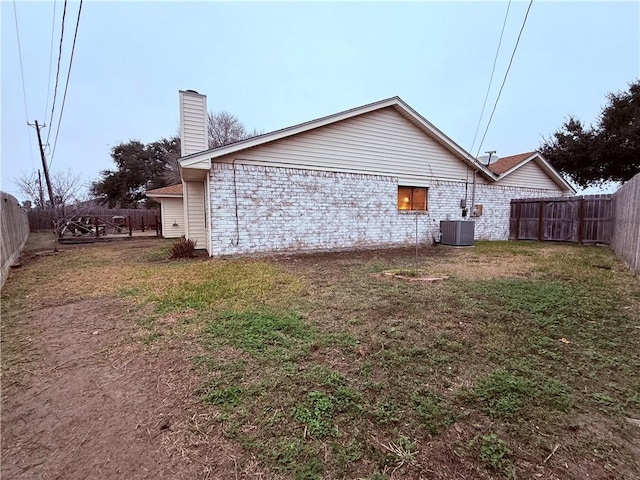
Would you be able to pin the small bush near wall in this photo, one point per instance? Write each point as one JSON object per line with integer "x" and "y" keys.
{"x": 185, "y": 248}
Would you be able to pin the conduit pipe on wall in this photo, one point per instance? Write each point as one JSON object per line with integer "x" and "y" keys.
{"x": 235, "y": 242}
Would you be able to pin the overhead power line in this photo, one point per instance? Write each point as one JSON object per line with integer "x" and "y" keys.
{"x": 504, "y": 80}
{"x": 24, "y": 90}
{"x": 55, "y": 89}
{"x": 53, "y": 24}
{"x": 66, "y": 87}
{"x": 495, "y": 60}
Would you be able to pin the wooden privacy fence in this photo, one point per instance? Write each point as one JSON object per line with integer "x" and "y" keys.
{"x": 139, "y": 219}
{"x": 626, "y": 231}
{"x": 582, "y": 219}
{"x": 15, "y": 230}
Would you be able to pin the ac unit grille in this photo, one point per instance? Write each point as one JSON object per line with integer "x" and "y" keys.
{"x": 458, "y": 233}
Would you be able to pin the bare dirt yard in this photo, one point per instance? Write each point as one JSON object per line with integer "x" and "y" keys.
{"x": 523, "y": 362}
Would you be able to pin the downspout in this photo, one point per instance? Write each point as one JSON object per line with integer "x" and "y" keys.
{"x": 473, "y": 196}
{"x": 235, "y": 242}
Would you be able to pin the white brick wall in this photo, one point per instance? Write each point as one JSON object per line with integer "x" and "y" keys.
{"x": 286, "y": 209}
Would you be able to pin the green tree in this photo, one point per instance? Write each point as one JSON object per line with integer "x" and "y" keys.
{"x": 608, "y": 151}
{"x": 139, "y": 168}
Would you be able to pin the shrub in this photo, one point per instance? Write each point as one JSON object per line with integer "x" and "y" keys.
{"x": 185, "y": 248}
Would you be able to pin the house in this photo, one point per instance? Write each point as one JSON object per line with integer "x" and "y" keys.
{"x": 368, "y": 177}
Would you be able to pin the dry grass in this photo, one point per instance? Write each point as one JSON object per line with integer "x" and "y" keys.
{"x": 472, "y": 368}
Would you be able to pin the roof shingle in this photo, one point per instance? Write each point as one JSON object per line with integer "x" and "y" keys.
{"x": 170, "y": 190}
{"x": 507, "y": 163}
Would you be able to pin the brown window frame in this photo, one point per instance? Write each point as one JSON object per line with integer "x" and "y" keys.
{"x": 407, "y": 197}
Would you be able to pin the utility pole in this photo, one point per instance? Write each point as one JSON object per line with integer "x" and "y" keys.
{"x": 49, "y": 188}
{"x": 40, "y": 189}
{"x": 45, "y": 168}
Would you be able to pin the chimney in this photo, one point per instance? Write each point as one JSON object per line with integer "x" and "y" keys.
{"x": 193, "y": 122}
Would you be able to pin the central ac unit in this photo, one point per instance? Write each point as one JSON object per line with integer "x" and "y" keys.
{"x": 457, "y": 233}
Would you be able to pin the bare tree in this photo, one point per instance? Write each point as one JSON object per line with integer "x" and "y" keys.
{"x": 68, "y": 188}
{"x": 225, "y": 128}
{"x": 69, "y": 196}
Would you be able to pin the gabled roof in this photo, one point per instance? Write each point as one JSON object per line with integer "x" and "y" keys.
{"x": 170, "y": 191}
{"x": 507, "y": 165}
{"x": 201, "y": 160}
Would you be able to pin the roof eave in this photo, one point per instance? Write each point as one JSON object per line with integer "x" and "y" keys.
{"x": 164, "y": 195}
{"x": 546, "y": 166}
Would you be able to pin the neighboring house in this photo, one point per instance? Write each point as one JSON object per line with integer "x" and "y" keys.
{"x": 367, "y": 177}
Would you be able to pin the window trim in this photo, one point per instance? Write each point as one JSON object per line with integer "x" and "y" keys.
{"x": 411, "y": 199}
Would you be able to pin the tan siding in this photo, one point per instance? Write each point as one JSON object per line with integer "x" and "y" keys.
{"x": 531, "y": 175}
{"x": 197, "y": 229}
{"x": 382, "y": 142}
{"x": 193, "y": 113}
{"x": 172, "y": 212}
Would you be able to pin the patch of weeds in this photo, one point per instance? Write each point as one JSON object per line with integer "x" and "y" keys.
{"x": 377, "y": 268}
{"x": 401, "y": 452}
{"x": 129, "y": 292}
{"x": 296, "y": 457}
{"x": 205, "y": 361}
{"x": 257, "y": 333}
{"x": 317, "y": 414}
{"x": 322, "y": 376}
{"x": 416, "y": 359}
{"x": 504, "y": 392}
{"x": 227, "y": 397}
{"x": 432, "y": 410}
{"x": 555, "y": 394}
{"x": 395, "y": 333}
{"x": 404, "y": 272}
{"x": 157, "y": 254}
{"x": 348, "y": 400}
{"x": 606, "y": 403}
{"x": 347, "y": 453}
{"x": 366, "y": 369}
{"x": 229, "y": 368}
{"x": 377, "y": 475}
{"x": 494, "y": 452}
{"x": 507, "y": 393}
{"x": 232, "y": 285}
{"x": 633, "y": 399}
{"x": 150, "y": 338}
{"x": 344, "y": 340}
{"x": 386, "y": 411}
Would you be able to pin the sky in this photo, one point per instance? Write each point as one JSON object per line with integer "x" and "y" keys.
{"x": 278, "y": 64}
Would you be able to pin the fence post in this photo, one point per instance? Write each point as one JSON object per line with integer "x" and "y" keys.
{"x": 142, "y": 223}
{"x": 540, "y": 220}
{"x": 95, "y": 224}
{"x": 518, "y": 214}
{"x": 130, "y": 229}
{"x": 581, "y": 222}
{"x": 158, "y": 227}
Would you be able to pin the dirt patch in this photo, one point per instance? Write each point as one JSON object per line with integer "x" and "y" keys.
{"x": 81, "y": 400}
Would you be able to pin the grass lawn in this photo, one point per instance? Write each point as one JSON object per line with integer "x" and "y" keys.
{"x": 524, "y": 362}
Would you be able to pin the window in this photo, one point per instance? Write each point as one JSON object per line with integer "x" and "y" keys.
{"x": 412, "y": 198}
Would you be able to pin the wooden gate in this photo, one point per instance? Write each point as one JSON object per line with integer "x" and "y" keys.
{"x": 584, "y": 219}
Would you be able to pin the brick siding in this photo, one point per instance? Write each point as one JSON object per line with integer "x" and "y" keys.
{"x": 295, "y": 210}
